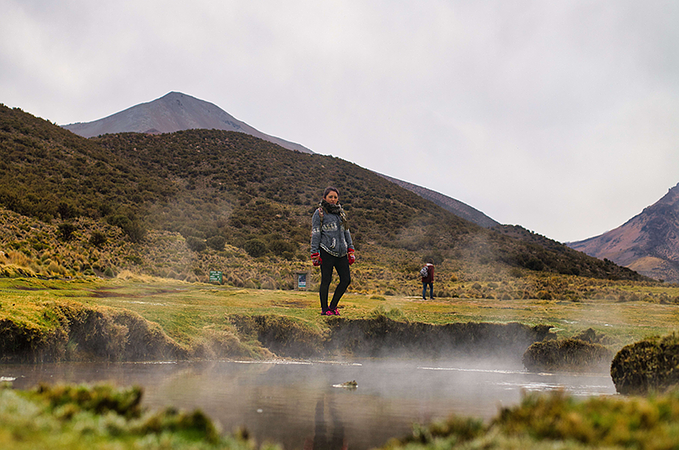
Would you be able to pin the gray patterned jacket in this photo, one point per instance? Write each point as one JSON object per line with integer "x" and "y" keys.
{"x": 330, "y": 235}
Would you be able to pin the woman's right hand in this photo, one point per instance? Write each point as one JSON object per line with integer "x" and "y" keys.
{"x": 316, "y": 259}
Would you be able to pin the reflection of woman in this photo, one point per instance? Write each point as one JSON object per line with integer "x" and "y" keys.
{"x": 322, "y": 440}
{"x": 331, "y": 247}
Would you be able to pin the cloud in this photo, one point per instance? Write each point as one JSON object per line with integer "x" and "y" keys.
{"x": 554, "y": 115}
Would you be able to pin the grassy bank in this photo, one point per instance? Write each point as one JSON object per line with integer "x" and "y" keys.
{"x": 198, "y": 319}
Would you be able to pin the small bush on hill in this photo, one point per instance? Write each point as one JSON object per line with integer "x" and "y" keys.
{"x": 196, "y": 244}
{"x": 255, "y": 248}
{"x": 66, "y": 231}
{"x": 216, "y": 242}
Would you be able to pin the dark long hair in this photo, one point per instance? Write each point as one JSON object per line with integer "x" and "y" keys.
{"x": 330, "y": 189}
{"x": 334, "y": 209}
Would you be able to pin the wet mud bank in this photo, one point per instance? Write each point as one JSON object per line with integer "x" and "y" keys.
{"x": 384, "y": 337}
{"x": 76, "y": 332}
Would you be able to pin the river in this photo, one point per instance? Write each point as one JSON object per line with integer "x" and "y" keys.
{"x": 301, "y": 404}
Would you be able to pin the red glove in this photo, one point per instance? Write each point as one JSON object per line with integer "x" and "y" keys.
{"x": 351, "y": 256}
{"x": 316, "y": 259}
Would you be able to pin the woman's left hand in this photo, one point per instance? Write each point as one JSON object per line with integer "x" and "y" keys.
{"x": 351, "y": 256}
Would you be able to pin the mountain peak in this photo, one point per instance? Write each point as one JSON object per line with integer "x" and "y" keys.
{"x": 647, "y": 243}
{"x": 175, "y": 111}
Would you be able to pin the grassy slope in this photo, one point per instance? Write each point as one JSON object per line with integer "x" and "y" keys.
{"x": 211, "y": 187}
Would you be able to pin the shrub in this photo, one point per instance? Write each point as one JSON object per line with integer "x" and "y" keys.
{"x": 98, "y": 238}
{"x": 196, "y": 244}
{"x": 279, "y": 247}
{"x": 648, "y": 365}
{"x": 66, "y": 210}
{"x": 255, "y": 248}
{"x": 132, "y": 228}
{"x": 566, "y": 354}
{"x": 216, "y": 242}
{"x": 65, "y": 231}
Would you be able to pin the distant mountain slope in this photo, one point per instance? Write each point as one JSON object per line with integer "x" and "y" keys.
{"x": 173, "y": 112}
{"x": 448, "y": 203}
{"x": 176, "y": 112}
{"x": 648, "y": 243}
{"x": 219, "y": 187}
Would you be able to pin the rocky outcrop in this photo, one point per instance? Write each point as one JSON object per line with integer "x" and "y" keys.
{"x": 648, "y": 243}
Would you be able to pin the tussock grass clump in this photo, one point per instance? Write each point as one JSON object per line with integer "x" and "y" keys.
{"x": 643, "y": 423}
{"x": 442, "y": 434}
{"x": 558, "y": 421}
{"x": 100, "y": 416}
{"x": 99, "y": 399}
{"x": 647, "y": 366}
{"x": 567, "y": 354}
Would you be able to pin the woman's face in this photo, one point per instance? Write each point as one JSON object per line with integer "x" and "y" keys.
{"x": 332, "y": 198}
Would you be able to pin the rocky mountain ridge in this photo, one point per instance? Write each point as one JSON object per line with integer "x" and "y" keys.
{"x": 647, "y": 243}
{"x": 457, "y": 207}
{"x": 173, "y": 112}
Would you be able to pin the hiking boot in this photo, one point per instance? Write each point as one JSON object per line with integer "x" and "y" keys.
{"x": 327, "y": 313}
{"x": 335, "y": 312}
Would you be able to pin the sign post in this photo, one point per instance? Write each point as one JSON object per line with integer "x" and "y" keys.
{"x": 301, "y": 281}
{"x": 216, "y": 276}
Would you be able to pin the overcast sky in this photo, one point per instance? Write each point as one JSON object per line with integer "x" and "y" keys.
{"x": 559, "y": 116}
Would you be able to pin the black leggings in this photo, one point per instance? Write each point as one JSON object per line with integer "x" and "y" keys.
{"x": 342, "y": 266}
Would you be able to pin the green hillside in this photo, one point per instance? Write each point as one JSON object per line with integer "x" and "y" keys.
{"x": 180, "y": 204}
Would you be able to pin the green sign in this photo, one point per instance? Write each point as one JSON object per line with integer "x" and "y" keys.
{"x": 215, "y": 276}
{"x": 301, "y": 280}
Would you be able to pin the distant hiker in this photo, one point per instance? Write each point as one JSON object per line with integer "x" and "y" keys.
{"x": 331, "y": 247}
{"x": 427, "y": 274}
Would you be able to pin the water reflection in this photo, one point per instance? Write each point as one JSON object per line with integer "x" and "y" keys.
{"x": 298, "y": 405}
{"x": 324, "y": 439}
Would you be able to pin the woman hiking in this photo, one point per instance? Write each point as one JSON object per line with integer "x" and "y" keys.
{"x": 331, "y": 248}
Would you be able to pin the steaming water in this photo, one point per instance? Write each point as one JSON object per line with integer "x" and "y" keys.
{"x": 299, "y": 404}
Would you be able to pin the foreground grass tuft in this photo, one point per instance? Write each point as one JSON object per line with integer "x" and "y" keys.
{"x": 559, "y": 421}
{"x": 85, "y": 417}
